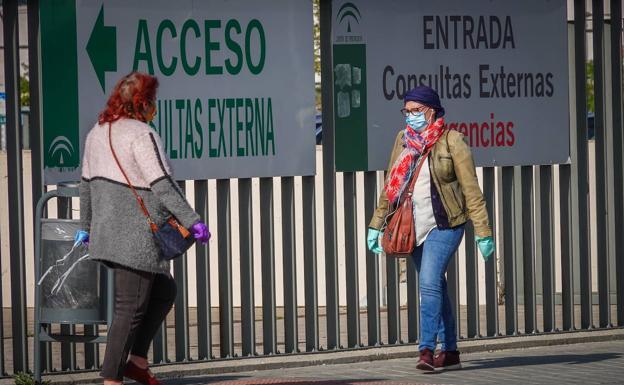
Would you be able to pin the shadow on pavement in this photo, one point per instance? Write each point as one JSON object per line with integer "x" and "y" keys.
{"x": 210, "y": 380}
{"x": 571, "y": 359}
{"x": 200, "y": 380}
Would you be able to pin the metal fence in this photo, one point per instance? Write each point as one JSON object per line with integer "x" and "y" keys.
{"x": 544, "y": 280}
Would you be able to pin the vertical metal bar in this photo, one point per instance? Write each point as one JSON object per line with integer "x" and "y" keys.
{"x": 34, "y": 81}
{"x": 91, "y": 351}
{"x": 224, "y": 221}
{"x": 413, "y": 302}
{"x": 602, "y": 238}
{"x": 39, "y": 349}
{"x": 472, "y": 290}
{"x": 518, "y": 242}
{"x": 392, "y": 292}
{"x": 511, "y": 304}
{"x": 372, "y": 266}
{"x": 329, "y": 177}
{"x": 580, "y": 210}
{"x": 618, "y": 143}
{"x": 567, "y": 266}
{"x": 351, "y": 261}
{"x": 91, "y": 356}
{"x": 290, "y": 267}
{"x": 530, "y": 316}
{"x": 309, "y": 261}
{"x": 546, "y": 250}
{"x": 452, "y": 282}
{"x": 565, "y": 202}
{"x": 16, "y": 187}
{"x": 42, "y": 346}
{"x": 159, "y": 345}
{"x": 248, "y": 311}
{"x": 267, "y": 234}
{"x": 202, "y": 265}
{"x": 180, "y": 274}
{"x": 610, "y": 178}
{"x": 491, "y": 287}
{"x": 68, "y": 350}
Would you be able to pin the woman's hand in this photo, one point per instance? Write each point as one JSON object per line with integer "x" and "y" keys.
{"x": 373, "y": 241}
{"x": 486, "y": 246}
{"x": 200, "y": 232}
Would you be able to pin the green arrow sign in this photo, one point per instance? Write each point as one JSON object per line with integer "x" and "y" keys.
{"x": 102, "y": 48}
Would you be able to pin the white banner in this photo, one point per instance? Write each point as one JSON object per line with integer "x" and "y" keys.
{"x": 236, "y": 95}
{"x": 500, "y": 68}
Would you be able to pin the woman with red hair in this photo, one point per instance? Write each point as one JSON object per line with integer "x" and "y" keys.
{"x": 122, "y": 155}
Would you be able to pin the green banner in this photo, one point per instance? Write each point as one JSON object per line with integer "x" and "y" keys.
{"x": 59, "y": 67}
{"x": 350, "y": 114}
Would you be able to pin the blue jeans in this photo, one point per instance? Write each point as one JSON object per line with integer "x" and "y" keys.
{"x": 436, "y": 314}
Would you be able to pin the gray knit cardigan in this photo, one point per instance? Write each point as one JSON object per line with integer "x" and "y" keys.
{"x": 119, "y": 232}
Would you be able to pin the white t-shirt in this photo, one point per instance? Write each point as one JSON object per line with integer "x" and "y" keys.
{"x": 424, "y": 218}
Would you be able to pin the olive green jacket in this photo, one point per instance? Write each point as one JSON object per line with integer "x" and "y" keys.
{"x": 453, "y": 173}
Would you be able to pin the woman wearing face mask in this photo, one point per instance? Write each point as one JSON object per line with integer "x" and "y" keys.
{"x": 120, "y": 236}
{"x": 446, "y": 194}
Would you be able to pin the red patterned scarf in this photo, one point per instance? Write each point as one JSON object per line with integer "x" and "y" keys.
{"x": 414, "y": 144}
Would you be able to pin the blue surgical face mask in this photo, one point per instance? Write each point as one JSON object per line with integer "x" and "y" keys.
{"x": 417, "y": 122}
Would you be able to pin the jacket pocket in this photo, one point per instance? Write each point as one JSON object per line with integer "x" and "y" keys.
{"x": 459, "y": 197}
{"x": 454, "y": 198}
{"x": 445, "y": 168}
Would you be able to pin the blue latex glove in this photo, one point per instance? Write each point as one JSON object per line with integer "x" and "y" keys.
{"x": 486, "y": 246}
{"x": 81, "y": 237}
{"x": 372, "y": 240}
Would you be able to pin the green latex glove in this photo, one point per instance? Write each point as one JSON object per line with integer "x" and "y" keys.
{"x": 486, "y": 246}
{"x": 372, "y": 240}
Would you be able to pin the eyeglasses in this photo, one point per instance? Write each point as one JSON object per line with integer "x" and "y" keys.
{"x": 413, "y": 111}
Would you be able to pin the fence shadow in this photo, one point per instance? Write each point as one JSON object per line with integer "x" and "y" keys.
{"x": 571, "y": 359}
{"x": 233, "y": 380}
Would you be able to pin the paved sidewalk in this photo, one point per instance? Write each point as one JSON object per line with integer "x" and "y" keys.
{"x": 586, "y": 363}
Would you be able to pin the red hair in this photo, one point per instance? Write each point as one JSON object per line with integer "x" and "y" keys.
{"x": 132, "y": 96}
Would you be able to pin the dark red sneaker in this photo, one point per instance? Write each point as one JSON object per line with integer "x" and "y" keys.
{"x": 447, "y": 360}
{"x": 142, "y": 376}
{"x": 426, "y": 360}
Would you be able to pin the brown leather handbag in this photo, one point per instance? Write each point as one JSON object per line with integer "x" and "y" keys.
{"x": 399, "y": 237}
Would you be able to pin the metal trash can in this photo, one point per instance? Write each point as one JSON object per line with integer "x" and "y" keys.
{"x": 79, "y": 298}
{"x": 69, "y": 289}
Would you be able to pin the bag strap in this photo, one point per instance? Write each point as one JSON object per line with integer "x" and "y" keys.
{"x": 421, "y": 161}
{"x": 136, "y": 195}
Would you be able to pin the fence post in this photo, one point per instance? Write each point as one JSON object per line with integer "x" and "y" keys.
{"x": 181, "y": 312}
{"x": 372, "y": 265}
{"x": 267, "y": 234}
{"x": 309, "y": 261}
{"x": 491, "y": 287}
{"x": 16, "y": 187}
{"x": 289, "y": 265}
{"x": 202, "y": 264}
{"x": 580, "y": 210}
{"x": 602, "y": 181}
{"x": 226, "y": 317}
{"x": 329, "y": 177}
{"x": 618, "y": 167}
{"x": 248, "y": 311}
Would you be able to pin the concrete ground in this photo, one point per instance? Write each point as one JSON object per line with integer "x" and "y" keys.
{"x": 588, "y": 363}
{"x": 583, "y": 357}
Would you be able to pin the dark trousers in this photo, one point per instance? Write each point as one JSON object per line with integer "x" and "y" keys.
{"x": 142, "y": 301}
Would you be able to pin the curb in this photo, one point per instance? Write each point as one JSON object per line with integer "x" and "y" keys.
{"x": 347, "y": 356}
